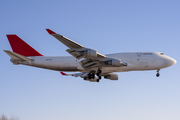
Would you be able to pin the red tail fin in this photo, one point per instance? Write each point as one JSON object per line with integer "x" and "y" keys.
{"x": 21, "y": 47}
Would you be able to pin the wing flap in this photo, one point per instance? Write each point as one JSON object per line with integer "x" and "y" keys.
{"x": 78, "y": 54}
{"x": 74, "y": 53}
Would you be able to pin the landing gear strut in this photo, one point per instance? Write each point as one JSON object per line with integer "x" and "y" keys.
{"x": 157, "y": 75}
{"x": 98, "y": 74}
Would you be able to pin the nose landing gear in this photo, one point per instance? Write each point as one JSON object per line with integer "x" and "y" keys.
{"x": 157, "y": 75}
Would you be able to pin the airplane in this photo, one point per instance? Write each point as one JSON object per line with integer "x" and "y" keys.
{"x": 90, "y": 64}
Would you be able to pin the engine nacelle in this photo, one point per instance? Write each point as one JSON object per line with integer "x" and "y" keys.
{"x": 91, "y": 80}
{"x": 113, "y": 62}
{"x": 90, "y": 53}
{"x": 111, "y": 76}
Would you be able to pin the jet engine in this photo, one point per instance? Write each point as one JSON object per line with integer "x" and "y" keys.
{"x": 111, "y": 76}
{"x": 113, "y": 62}
{"x": 90, "y": 53}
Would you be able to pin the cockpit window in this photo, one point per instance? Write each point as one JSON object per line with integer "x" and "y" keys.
{"x": 162, "y": 53}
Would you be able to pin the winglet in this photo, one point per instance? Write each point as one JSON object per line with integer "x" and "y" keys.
{"x": 50, "y": 31}
{"x": 63, "y": 73}
{"x": 66, "y": 74}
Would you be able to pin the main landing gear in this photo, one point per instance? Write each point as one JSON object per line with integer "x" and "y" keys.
{"x": 91, "y": 75}
{"x": 98, "y": 74}
{"x": 157, "y": 75}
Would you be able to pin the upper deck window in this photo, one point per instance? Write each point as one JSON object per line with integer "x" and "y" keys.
{"x": 147, "y": 53}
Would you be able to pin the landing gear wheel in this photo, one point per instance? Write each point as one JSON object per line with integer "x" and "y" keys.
{"x": 99, "y": 71}
{"x": 89, "y": 76}
{"x": 98, "y": 74}
{"x": 92, "y": 75}
{"x": 157, "y": 75}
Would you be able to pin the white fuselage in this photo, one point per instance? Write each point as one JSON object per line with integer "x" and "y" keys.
{"x": 136, "y": 61}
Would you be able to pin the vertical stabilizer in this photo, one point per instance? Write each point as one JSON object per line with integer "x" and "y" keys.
{"x": 21, "y": 47}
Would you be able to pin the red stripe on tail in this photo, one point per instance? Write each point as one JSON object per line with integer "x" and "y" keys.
{"x": 21, "y": 47}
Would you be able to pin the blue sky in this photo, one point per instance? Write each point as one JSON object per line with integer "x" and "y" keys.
{"x": 108, "y": 26}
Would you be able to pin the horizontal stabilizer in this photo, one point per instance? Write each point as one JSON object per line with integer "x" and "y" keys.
{"x": 16, "y": 56}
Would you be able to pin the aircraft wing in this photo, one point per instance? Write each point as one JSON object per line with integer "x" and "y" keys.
{"x": 82, "y": 75}
{"x": 92, "y": 57}
{"x": 69, "y": 43}
{"x": 75, "y": 48}
{"x": 95, "y": 79}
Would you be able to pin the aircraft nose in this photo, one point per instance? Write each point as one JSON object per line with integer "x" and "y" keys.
{"x": 171, "y": 61}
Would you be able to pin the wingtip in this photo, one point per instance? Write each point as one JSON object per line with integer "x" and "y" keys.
{"x": 63, "y": 73}
{"x": 50, "y": 31}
